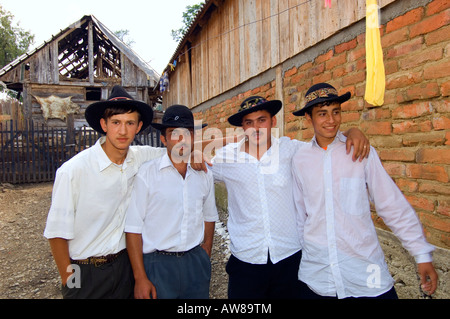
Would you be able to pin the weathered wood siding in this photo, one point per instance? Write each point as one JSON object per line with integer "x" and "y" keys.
{"x": 243, "y": 38}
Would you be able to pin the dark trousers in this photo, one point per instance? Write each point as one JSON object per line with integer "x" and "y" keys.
{"x": 186, "y": 276}
{"x": 267, "y": 281}
{"x": 307, "y": 293}
{"x": 113, "y": 280}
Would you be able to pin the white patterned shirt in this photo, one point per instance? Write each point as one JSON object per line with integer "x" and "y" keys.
{"x": 90, "y": 198}
{"x": 341, "y": 254}
{"x": 260, "y": 202}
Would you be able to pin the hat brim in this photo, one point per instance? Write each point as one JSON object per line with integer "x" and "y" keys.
{"x": 94, "y": 112}
{"x": 340, "y": 99}
{"x": 161, "y": 127}
{"x": 273, "y": 107}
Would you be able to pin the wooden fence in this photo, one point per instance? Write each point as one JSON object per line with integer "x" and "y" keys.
{"x": 31, "y": 153}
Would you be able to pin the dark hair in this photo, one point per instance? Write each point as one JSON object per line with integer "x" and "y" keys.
{"x": 310, "y": 109}
{"x": 118, "y": 109}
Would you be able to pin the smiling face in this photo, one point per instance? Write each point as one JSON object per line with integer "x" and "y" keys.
{"x": 326, "y": 120}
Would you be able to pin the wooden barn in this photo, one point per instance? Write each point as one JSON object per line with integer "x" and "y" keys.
{"x": 77, "y": 67}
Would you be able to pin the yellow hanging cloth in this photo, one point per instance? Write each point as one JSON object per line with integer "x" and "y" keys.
{"x": 375, "y": 78}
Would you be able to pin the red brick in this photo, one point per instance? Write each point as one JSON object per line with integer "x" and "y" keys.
{"x": 439, "y": 36}
{"x": 324, "y": 57}
{"x": 424, "y": 56}
{"x": 290, "y": 72}
{"x": 352, "y": 105}
{"x": 350, "y": 117}
{"x": 434, "y": 188}
{"x": 429, "y": 172}
{"x": 356, "y": 54}
{"x": 411, "y": 127}
{"x": 407, "y": 185}
{"x": 376, "y": 128}
{"x": 376, "y": 114}
{"x": 402, "y": 155}
{"x": 394, "y": 169}
{"x": 405, "y": 48}
{"x": 443, "y": 207}
{"x": 437, "y": 6}
{"x": 430, "y": 138}
{"x": 419, "y": 92}
{"x": 433, "y": 155}
{"x": 408, "y": 18}
{"x": 445, "y": 89}
{"x": 447, "y": 138}
{"x": 345, "y": 46}
{"x": 437, "y": 70}
{"x": 412, "y": 110}
{"x": 421, "y": 203}
{"x": 430, "y": 24}
{"x": 354, "y": 78}
{"x": 403, "y": 80}
{"x": 395, "y": 37}
{"x": 435, "y": 222}
{"x": 441, "y": 123}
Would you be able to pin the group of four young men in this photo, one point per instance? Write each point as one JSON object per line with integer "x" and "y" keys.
{"x": 128, "y": 221}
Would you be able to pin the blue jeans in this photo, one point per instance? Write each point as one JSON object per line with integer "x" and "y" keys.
{"x": 180, "y": 277}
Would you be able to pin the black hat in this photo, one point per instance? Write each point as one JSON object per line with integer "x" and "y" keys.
{"x": 119, "y": 97}
{"x": 177, "y": 116}
{"x": 320, "y": 93}
{"x": 253, "y": 104}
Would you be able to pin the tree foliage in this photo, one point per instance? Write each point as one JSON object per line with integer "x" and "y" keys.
{"x": 14, "y": 41}
{"x": 188, "y": 17}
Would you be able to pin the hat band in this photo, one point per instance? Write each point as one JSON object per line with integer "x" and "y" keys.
{"x": 325, "y": 92}
{"x": 252, "y": 103}
{"x": 121, "y": 98}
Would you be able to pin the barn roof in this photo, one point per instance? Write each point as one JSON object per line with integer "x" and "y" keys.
{"x": 108, "y": 36}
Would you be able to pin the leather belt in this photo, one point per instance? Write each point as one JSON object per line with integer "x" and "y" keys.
{"x": 176, "y": 254}
{"x": 98, "y": 261}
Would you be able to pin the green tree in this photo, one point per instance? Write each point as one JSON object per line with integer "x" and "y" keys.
{"x": 14, "y": 41}
{"x": 124, "y": 35}
{"x": 188, "y": 17}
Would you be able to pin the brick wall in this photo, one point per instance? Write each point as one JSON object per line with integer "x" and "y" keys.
{"x": 411, "y": 131}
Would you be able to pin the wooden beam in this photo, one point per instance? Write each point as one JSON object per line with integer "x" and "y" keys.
{"x": 91, "y": 52}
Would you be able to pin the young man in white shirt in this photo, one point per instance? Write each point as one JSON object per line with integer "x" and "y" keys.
{"x": 85, "y": 224}
{"x": 341, "y": 254}
{"x": 171, "y": 218}
{"x": 265, "y": 244}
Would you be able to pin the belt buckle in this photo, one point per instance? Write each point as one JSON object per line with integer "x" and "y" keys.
{"x": 100, "y": 261}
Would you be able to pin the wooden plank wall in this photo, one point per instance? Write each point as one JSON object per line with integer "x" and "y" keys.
{"x": 243, "y": 38}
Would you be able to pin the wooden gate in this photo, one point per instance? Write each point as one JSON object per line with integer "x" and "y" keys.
{"x": 31, "y": 153}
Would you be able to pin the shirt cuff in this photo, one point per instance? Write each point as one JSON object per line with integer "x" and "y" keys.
{"x": 424, "y": 258}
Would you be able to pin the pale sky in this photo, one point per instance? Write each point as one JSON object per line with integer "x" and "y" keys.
{"x": 149, "y": 21}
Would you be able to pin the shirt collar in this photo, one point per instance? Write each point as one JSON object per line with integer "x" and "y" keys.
{"x": 166, "y": 162}
{"x": 103, "y": 160}
{"x": 340, "y": 137}
{"x": 274, "y": 147}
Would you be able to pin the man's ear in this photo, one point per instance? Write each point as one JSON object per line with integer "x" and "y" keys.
{"x": 139, "y": 127}
{"x": 163, "y": 140}
{"x": 103, "y": 124}
{"x": 274, "y": 121}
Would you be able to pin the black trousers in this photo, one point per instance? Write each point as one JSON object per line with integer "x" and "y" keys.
{"x": 267, "y": 281}
{"x": 307, "y": 293}
{"x": 113, "y": 280}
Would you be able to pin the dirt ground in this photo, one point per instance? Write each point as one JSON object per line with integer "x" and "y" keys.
{"x": 28, "y": 271}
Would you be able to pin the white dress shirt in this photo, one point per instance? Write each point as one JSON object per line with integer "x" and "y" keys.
{"x": 168, "y": 210}
{"x": 90, "y": 199}
{"x": 260, "y": 202}
{"x": 341, "y": 252}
